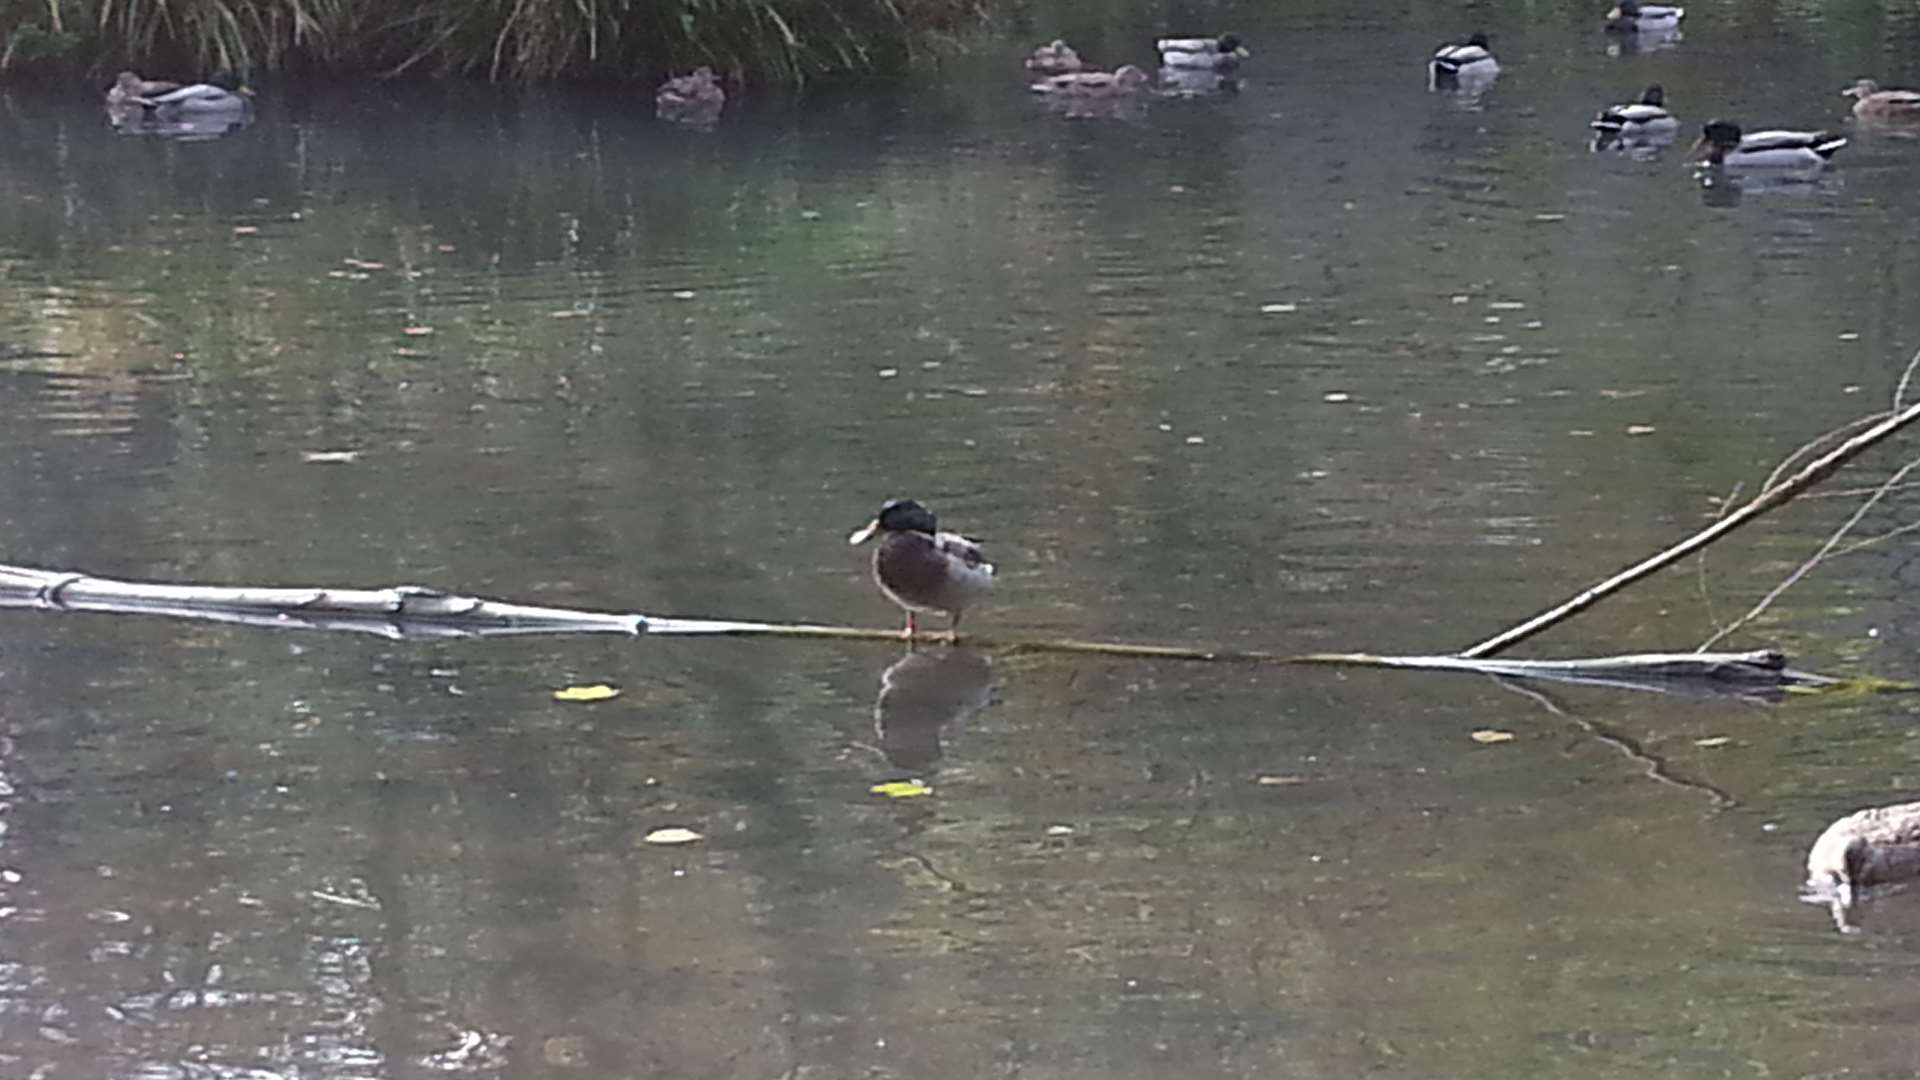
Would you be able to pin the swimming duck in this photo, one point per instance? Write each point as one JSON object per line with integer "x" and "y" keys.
{"x": 1211, "y": 54}
{"x": 1723, "y": 143}
{"x": 1648, "y": 116}
{"x": 694, "y": 99}
{"x": 921, "y": 568}
{"x": 1467, "y": 63}
{"x": 1055, "y": 58}
{"x": 128, "y": 88}
{"x": 160, "y": 96}
{"x": 1633, "y": 17}
{"x": 1876, "y": 846}
{"x": 1872, "y": 103}
{"x": 1127, "y": 79}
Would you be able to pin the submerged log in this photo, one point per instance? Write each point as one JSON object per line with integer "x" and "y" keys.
{"x": 414, "y": 611}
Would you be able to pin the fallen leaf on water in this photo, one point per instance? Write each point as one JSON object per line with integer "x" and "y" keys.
{"x": 1280, "y": 781}
{"x": 1716, "y": 740}
{"x": 1641, "y": 429}
{"x": 1278, "y": 309}
{"x": 1335, "y": 397}
{"x": 363, "y": 264}
{"x": 245, "y": 230}
{"x": 329, "y": 457}
{"x": 1489, "y": 736}
{"x": 596, "y": 692}
{"x": 901, "y": 789}
{"x": 673, "y": 835}
{"x": 417, "y": 331}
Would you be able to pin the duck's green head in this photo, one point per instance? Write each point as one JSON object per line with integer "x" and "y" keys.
{"x": 897, "y": 515}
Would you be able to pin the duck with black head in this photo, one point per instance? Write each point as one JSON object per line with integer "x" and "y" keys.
{"x": 921, "y": 568}
{"x": 1465, "y": 66}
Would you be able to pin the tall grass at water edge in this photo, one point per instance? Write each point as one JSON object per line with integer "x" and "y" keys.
{"x": 763, "y": 41}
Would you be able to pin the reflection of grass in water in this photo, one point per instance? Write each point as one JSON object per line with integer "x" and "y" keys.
{"x": 501, "y": 39}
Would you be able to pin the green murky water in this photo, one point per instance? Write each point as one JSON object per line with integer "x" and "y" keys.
{"x": 1328, "y": 364}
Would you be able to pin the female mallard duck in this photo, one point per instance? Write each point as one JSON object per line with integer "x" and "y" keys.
{"x": 1633, "y": 17}
{"x": 696, "y": 98}
{"x": 160, "y": 96}
{"x": 1466, "y": 64}
{"x": 1723, "y": 143}
{"x": 1125, "y": 80}
{"x": 921, "y": 568}
{"x": 1876, "y": 846}
{"x": 1210, "y": 54}
{"x": 1055, "y": 58}
{"x": 1641, "y": 119}
{"x": 1872, "y": 103}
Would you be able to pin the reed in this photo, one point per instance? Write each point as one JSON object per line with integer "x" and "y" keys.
{"x": 762, "y": 41}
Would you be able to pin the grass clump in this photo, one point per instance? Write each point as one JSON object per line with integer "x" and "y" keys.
{"x": 766, "y": 41}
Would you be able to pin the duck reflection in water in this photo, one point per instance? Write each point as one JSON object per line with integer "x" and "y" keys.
{"x": 924, "y": 692}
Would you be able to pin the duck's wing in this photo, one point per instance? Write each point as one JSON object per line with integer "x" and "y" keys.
{"x": 1899, "y": 99}
{"x": 1187, "y": 45}
{"x": 965, "y": 554}
{"x": 1820, "y": 142}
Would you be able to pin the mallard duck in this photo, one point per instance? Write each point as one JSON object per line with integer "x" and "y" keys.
{"x": 1127, "y": 79}
{"x": 1876, "y": 846}
{"x": 1872, "y": 103}
{"x": 1637, "y": 119}
{"x": 1211, "y": 54}
{"x": 694, "y": 98}
{"x": 160, "y": 96}
{"x": 1465, "y": 64}
{"x": 128, "y": 88}
{"x": 1723, "y": 143}
{"x": 921, "y": 568}
{"x": 1633, "y": 17}
{"x": 1055, "y": 58}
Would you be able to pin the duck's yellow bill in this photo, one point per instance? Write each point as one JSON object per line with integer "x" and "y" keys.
{"x": 865, "y": 532}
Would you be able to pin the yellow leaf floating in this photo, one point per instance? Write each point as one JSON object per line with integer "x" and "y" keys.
{"x": 596, "y": 692}
{"x": 901, "y": 789}
{"x": 673, "y": 835}
{"x": 1489, "y": 736}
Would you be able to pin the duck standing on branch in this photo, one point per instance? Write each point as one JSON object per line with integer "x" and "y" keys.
{"x": 1723, "y": 143}
{"x": 1633, "y": 17}
{"x": 1872, "y": 103}
{"x": 1223, "y": 53}
{"x": 921, "y": 568}
{"x": 1055, "y": 58}
{"x": 1464, "y": 65}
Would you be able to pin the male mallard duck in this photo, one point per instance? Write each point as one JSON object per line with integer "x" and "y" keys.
{"x": 1633, "y": 17}
{"x": 1462, "y": 65}
{"x": 1127, "y": 79}
{"x": 921, "y": 568}
{"x": 1723, "y": 143}
{"x": 160, "y": 96}
{"x": 1638, "y": 119}
{"x": 1055, "y": 58}
{"x": 1211, "y": 54}
{"x": 1876, "y": 846}
{"x": 696, "y": 98}
{"x": 1872, "y": 103}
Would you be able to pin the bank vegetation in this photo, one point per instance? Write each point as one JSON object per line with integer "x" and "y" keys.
{"x": 758, "y": 41}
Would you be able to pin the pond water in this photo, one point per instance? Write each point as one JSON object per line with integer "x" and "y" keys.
{"x": 1328, "y": 364}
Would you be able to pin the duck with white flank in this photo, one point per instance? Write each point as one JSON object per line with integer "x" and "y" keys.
{"x": 921, "y": 568}
{"x": 1633, "y": 17}
{"x": 1210, "y": 54}
{"x": 1645, "y": 118}
{"x": 1723, "y": 143}
{"x": 1127, "y": 79}
{"x": 1465, "y": 65}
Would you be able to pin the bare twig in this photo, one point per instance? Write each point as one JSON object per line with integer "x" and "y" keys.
{"x": 1706, "y": 594}
{"x": 1858, "y": 545}
{"x": 1813, "y": 560}
{"x": 1773, "y": 497}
